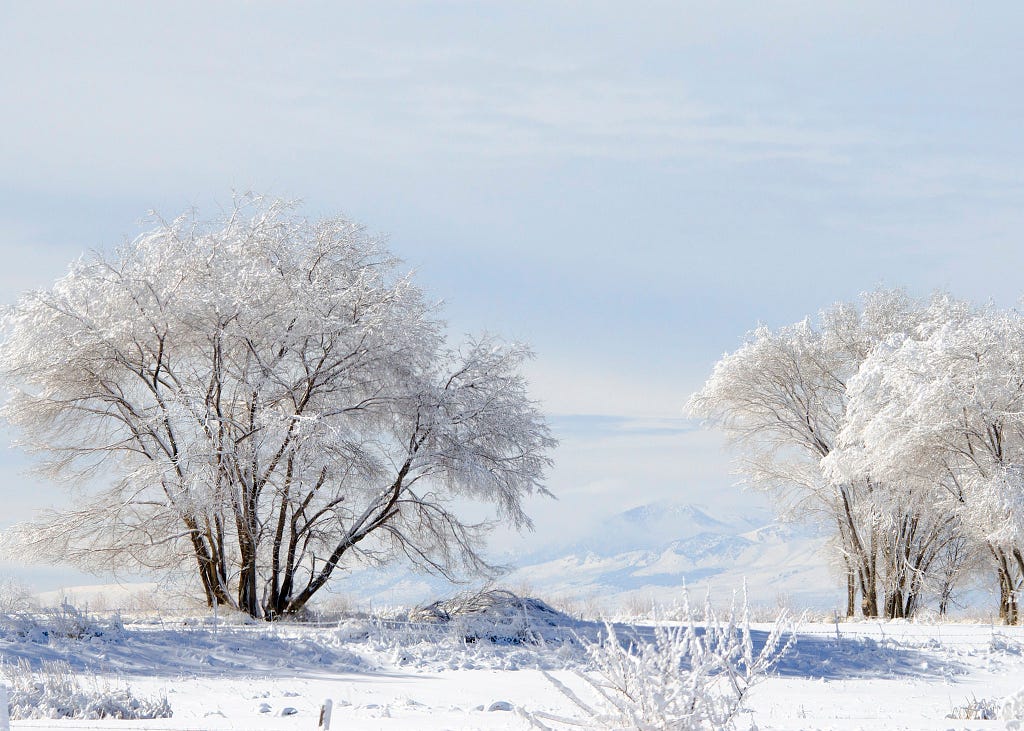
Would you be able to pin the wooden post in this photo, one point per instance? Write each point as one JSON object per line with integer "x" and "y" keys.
{"x": 325, "y": 715}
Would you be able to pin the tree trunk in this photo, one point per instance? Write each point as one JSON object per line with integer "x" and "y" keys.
{"x": 894, "y": 604}
{"x": 248, "y": 598}
{"x": 1007, "y": 596}
{"x": 868, "y": 593}
{"x": 851, "y": 593}
{"x": 210, "y": 572}
{"x": 1008, "y": 608}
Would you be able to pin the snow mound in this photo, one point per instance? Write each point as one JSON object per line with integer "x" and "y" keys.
{"x": 498, "y": 616}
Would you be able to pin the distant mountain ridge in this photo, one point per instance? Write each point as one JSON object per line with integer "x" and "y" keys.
{"x": 645, "y": 556}
{"x": 654, "y": 525}
{"x": 648, "y": 553}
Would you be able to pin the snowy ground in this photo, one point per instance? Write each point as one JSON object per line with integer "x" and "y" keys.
{"x": 219, "y": 675}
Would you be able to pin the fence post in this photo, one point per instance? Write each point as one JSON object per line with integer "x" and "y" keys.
{"x": 5, "y": 709}
{"x": 325, "y": 715}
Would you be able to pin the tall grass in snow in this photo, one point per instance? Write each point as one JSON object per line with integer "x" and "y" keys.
{"x": 692, "y": 676}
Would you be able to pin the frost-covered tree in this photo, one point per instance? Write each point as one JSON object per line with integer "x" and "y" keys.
{"x": 782, "y": 398}
{"x": 943, "y": 414}
{"x": 262, "y": 398}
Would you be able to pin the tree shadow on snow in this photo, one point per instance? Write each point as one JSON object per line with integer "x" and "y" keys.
{"x": 205, "y": 651}
{"x": 197, "y": 652}
{"x": 819, "y": 656}
{"x": 831, "y": 658}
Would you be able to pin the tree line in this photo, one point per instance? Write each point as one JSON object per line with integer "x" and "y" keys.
{"x": 898, "y": 424}
{"x": 262, "y": 399}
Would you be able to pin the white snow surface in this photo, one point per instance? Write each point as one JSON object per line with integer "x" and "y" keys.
{"x": 394, "y": 674}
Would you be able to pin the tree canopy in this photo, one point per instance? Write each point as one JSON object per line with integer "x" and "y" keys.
{"x": 899, "y": 425}
{"x": 260, "y": 398}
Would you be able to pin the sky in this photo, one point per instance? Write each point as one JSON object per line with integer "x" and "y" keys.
{"x": 627, "y": 187}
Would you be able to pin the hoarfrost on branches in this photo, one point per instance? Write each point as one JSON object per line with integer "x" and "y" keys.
{"x": 945, "y": 411}
{"x": 898, "y": 424}
{"x": 692, "y": 677}
{"x": 271, "y": 397}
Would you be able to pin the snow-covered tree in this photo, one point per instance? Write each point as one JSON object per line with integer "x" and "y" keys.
{"x": 782, "y": 398}
{"x": 942, "y": 414}
{"x": 263, "y": 397}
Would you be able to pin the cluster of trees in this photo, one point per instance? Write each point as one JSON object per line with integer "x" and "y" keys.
{"x": 899, "y": 425}
{"x": 261, "y": 398}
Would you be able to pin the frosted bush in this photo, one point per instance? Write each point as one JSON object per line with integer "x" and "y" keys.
{"x": 689, "y": 678}
{"x": 60, "y": 623}
{"x": 976, "y": 709}
{"x": 15, "y": 596}
{"x": 55, "y": 691}
{"x": 494, "y": 629}
{"x": 1008, "y": 645}
{"x": 353, "y": 630}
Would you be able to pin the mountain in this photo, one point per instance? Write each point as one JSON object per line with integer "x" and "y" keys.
{"x": 645, "y": 556}
{"x": 655, "y": 525}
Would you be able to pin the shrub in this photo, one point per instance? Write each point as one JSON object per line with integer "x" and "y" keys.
{"x": 689, "y": 678}
{"x": 976, "y": 709}
{"x": 55, "y": 691}
{"x": 1012, "y": 711}
{"x": 15, "y": 596}
{"x": 60, "y": 623}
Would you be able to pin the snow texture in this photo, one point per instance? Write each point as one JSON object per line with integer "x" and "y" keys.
{"x": 387, "y": 672}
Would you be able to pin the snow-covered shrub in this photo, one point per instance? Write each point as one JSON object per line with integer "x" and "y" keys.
{"x": 354, "y": 630}
{"x": 60, "y": 623}
{"x": 691, "y": 677}
{"x": 500, "y": 631}
{"x": 15, "y": 596}
{"x": 497, "y": 616}
{"x": 54, "y": 691}
{"x": 976, "y": 709}
{"x": 1004, "y": 644}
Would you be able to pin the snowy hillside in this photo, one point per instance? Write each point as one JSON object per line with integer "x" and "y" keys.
{"x": 645, "y": 555}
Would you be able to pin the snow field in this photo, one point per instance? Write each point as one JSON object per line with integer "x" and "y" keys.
{"x": 891, "y": 675}
{"x": 403, "y": 675}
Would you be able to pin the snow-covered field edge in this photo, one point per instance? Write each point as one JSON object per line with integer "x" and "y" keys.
{"x": 388, "y": 672}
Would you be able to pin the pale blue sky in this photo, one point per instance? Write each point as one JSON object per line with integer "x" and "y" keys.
{"x": 629, "y": 187}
